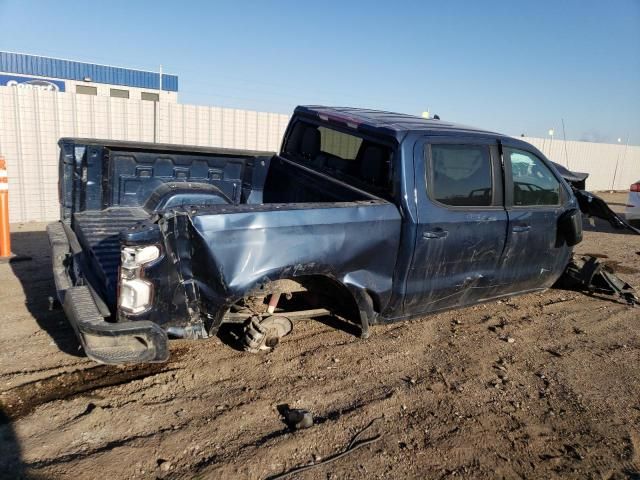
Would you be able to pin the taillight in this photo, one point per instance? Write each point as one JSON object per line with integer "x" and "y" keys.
{"x": 635, "y": 187}
{"x": 135, "y": 293}
{"x": 133, "y": 257}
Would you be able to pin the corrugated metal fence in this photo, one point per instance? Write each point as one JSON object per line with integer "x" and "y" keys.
{"x": 32, "y": 121}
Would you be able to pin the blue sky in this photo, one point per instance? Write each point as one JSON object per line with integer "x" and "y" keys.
{"x": 512, "y": 66}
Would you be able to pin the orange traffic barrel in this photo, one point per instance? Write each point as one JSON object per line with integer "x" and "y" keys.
{"x": 5, "y": 238}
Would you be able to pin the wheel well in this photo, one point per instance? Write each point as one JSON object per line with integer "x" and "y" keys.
{"x": 308, "y": 291}
{"x": 331, "y": 294}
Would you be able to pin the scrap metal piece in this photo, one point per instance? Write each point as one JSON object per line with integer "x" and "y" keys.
{"x": 295, "y": 418}
{"x": 594, "y": 206}
{"x": 593, "y": 276}
{"x": 179, "y": 245}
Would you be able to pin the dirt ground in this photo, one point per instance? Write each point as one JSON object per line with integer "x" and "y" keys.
{"x": 540, "y": 386}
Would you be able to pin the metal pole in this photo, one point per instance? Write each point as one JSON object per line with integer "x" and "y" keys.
{"x": 615, "y": 172}
{"x": 156, "y": 110}
{"x": 155, "y": 122}
{"x": 564, "y": 135}
{"x": 624, "y": 155}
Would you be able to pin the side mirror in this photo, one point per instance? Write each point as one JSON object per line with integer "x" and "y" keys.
{"x": 570, "y": 227}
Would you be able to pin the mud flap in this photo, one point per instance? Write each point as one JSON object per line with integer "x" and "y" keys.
{"x": 594, "y": 277}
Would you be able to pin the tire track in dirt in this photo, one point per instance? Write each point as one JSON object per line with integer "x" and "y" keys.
{"x": 16, "y": 373}
{"x": 23, "y": 399}
{"x": 107, "y": 447}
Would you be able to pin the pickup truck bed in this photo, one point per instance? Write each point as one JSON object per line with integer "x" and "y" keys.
{"x": 206, "y": 207}
{"x": 98, "y": 233}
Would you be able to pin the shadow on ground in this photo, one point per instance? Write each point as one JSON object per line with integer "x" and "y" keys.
{"x": 11, "y": 465}
{"x": 232, "y": 334}
{"x": 36, "y": 277}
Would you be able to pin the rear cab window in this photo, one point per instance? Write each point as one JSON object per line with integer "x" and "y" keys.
{"x": 348, "y": 157}
{"x": 338, "y": 144}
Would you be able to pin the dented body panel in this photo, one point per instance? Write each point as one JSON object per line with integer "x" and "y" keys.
{"x": 252, "y": 247}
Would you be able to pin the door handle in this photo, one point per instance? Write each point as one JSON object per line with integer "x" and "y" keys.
{"x": 435, "y": 234}
{"x": 521, "y": 228}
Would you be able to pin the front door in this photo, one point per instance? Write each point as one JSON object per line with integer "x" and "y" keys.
{"x": 535, "y": 199}
{"x": 462, "y": 223}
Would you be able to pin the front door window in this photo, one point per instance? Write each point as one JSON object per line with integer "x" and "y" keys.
{"x": 533, "y": 182}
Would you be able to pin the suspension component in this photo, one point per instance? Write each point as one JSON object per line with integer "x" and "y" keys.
{"x": 273, "y": 303}
{"x": 265, "y": 334}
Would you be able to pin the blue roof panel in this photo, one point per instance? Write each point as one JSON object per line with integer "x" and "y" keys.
{"x": 66, "y": 69}
{"x": 396, "y": 124}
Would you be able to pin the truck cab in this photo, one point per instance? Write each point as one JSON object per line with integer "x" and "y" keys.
{"x": 480, "y": 210}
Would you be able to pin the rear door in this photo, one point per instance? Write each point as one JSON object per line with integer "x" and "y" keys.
{"x": 462, "y": 223}
{"x": 535, "y": 198}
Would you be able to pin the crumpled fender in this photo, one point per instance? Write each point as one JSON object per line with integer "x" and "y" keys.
{"x": 234, "y": 251}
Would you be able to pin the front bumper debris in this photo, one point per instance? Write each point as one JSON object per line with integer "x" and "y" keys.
{"x": 103, "y": 341}
{"x": 593, "y": 276}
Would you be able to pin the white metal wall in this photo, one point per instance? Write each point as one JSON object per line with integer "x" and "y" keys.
{"x": 600, "y": 160}
{"x": 31, "y": 122}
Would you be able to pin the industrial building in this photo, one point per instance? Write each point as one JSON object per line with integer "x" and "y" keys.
{"x": 43, "y": 99}
{"x": 20, "y": 70}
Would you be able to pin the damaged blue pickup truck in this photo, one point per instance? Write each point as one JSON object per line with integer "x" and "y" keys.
{"x": 368, "y": 216}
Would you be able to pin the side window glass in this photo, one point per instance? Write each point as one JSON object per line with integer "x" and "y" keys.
{"x": 533, "y": 182}
{"x": 461, "y": 175}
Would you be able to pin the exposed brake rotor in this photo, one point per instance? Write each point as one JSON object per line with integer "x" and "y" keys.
{"x": 265, "y": 334}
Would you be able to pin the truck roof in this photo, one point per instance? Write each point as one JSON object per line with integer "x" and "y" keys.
{"x": 389, "y": 123}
